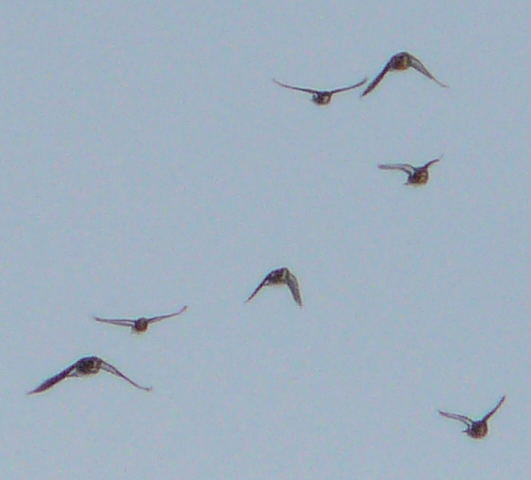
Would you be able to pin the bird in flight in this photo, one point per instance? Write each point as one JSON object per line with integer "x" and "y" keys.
{"x": 474, "y": 428}
{"x": 280, "y": 276}
{"x": 84, "y": 366}
{"x": 321, "y": 97}
{"x": 401, "y": 61}
{"x": 415, "y": 175}
{"x": 141, "y": 324}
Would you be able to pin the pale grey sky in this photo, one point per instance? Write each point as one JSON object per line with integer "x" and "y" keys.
{"x": 150, "y": 162}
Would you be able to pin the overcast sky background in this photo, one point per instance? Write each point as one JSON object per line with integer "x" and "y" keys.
{"x": 149, "y": 162}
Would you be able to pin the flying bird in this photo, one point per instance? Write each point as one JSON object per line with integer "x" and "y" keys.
{"x": 474, "y": 428}
{"x": 321, "y": 97}
{"x": 415, "y": 175}
{"x": 141, "y": 324}
{"x": 84, "y": 366}
{"x": 401, "y": 61}
{"x": 280, "y": 276}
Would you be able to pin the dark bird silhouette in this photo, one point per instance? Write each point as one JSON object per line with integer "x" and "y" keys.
{"x": 84, "y": 366}
{"x": 415, "y": 175}
{"x": 280, "y": 276}
{"x": 401, "y": 61}
{"x": 474, "y": 428}
{"x": 141, "y": 324}
{"x": 321, "y": 97}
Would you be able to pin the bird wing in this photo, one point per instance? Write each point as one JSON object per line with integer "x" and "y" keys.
{"x": 124, "y": 322}
{"x": 405, "y": 167}
{"x": 417, "y": 65}
{"x": 162, "y": 317}
{"x": 293, "y": 285}
{"x": 308, "y": 90}
{"x": 455, "y": 416}
{"x": 257, "y": 289}
{"x": 377, "y": 80}
{"x": 493, "y": 411}
{"x": 109, "y": 368}
{"x": 431, "y": 162}
{"x": 342, "y": 89}
{"x": 53, "y": 380}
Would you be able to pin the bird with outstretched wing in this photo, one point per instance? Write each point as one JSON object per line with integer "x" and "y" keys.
{"x": 140, "y": 324}
{"x": 401, "y": 61}
{"x": 280, "y": 276}
{"x": 82, "y": 367}
{"x": 321, "y": 97}
{"x": 474, "y": 428}
{"x": 415, "y": 175}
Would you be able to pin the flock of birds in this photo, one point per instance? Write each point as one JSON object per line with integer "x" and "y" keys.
{"x": 282, "y": 276}
{"x": 401, "y": 61}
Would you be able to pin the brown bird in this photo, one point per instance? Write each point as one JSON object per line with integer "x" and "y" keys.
{"x": 474, "y": 428}
{"x": 415, "y": 175}
{"x": 140, "y": 324}
{"x": 84, "y": 366}
{"x": 280, "y": 276}
{"x": 321, "y": 97}
{"x": 401, "y": 61}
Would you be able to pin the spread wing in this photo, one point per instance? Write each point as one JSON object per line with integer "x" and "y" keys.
{"x": 377, "y": 80}
{"x": 257, "y": 289}
{"x": 53, "y": 380}
{"x": 343, "y": 89}
{"x": 417, "y": 65}
{"x": 301, "y": 89}
{"x": 455, "y": 416}
{"x": 169, "y": 315}
{"x": 124, "y": 322}
{"x": 431, "y": 163}
{"x": 293, "y": 285}
{"x": 493, "y": 411}
{"x": 109, "y": 368}
{"x": 405, "y": 167}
